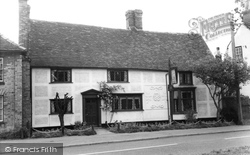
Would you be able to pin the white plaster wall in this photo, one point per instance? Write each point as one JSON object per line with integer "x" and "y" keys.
{"x": 242, "y": 38}
{"x": 151, "y": 84}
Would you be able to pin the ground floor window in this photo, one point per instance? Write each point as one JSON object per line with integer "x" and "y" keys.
{"x": 54, "y": 110}
{"x": 1, "y": 108}
{"x": 184, "y": 100}
{"x": 127, "y": 102}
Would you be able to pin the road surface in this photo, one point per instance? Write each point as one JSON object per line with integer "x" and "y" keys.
{"x": 186, "y": 145}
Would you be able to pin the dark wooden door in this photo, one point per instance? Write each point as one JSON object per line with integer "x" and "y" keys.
{"x": 91, "y": 111}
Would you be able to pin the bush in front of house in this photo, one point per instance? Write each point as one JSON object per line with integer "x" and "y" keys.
{"x": 148, "y": 127}
{"x": 15, "y": 134}
{"x": 79, "y": 129}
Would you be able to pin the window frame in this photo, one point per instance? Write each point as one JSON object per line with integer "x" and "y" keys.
{"x": 56, "y": 113}
{"x": 118, "y": 97}
{"x": 181, "y": 78}
{"x": 239, "y": 53}
{"x": 126, "y": 79}
{"x": 1, "y": 108}
{"x": 179, "y": 100}
{"x": 60, "y": 69}
{"x": 1, "y": 69}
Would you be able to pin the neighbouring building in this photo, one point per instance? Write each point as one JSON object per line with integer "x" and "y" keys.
{"x": 15, "y": 105}
{"x": 242, "y": 46}
{"x": 73, "y": 58}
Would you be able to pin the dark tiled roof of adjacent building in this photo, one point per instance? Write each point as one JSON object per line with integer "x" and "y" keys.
{"x": 54, "y": 44}
{"x": 246, "y": 18}
{"x": 7, "y": 45}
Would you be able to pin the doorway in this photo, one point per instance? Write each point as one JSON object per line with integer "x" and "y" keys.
{"x": 91, "y": 111}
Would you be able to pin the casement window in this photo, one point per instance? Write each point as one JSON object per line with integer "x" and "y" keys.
{"x": 184, "y": 100}
{"x": 60, "y": 75}
{"x": 239, "y": 53}
{"x": 117, "y": 76}
{"x": 127, "y": 102}
{"x": 1, "y": 69}
{"x": 1, "y": 108}
{"x": 186, "y": 78}
{"x": 54, "y": 110}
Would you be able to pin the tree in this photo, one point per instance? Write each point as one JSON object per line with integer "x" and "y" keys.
{"x": 61, "y": 106}
{"x": 222, "y": 77}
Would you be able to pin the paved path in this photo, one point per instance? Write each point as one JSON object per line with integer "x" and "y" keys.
{"x": 104, "y": 136}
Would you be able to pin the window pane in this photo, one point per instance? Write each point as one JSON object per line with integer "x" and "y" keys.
{"x": 176, "y": 107}
{"x": 1, "y": 75}
{"x": 188, "y": 78}
{"x": 188, "y": 104}
{"x": 69, "y": 107}
{"x": 130, "y": 103}
{"x": 123, "y": 103}
{"x": 1, "y": 115}
{"x": 53, "y": 107}
{"x": 116, "y": 107}
{"x": 181, "y": 78}
{"x": 117, "y": 76}
{"x": 1, "y": 102}
{"x": 112, "y": 75}
{"x": 137, "y": 103}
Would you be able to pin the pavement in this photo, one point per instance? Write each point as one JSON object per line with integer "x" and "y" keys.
{"x": 103, "y": 136}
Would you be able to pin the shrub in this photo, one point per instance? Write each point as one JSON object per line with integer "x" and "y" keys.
{"x": 190, "y": 116}
{"x": 229, "y": 114}
{"x": 68, "y": 132}
{"x": 133, "y": 127}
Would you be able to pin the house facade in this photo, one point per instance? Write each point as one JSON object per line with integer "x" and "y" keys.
{"x": 15, "y": 106}
{"x": 242, "y": 46}
{"x": 74, "y": 59}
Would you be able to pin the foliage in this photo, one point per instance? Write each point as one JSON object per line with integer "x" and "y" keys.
{"x": 15, "y": 134}
{"x": 222, "y": 77}
{"x": 61, "y": 106}
{"x": 57, "y": 133}
{"x": 106, "y": 94}
{"x": 148, "y": 127}
{"x": 191, "y": 116}
{"x": 229, "y": 114}
{"x": 80, "y": 125}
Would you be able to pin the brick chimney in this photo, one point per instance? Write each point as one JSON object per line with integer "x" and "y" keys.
{"x": 24, "y": 13}
{"x": 134, "y": 19}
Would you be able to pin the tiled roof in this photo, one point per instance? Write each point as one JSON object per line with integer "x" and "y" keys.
{"x": 246, "y": 18}
{"x": 7, "y": 45}
{"x": 54, "y": 44}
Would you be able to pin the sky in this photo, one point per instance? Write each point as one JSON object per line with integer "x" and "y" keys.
{"x": 158, "y": 15}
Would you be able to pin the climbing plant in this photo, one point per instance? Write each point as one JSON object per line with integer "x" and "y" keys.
{"x": 107, "y": 94}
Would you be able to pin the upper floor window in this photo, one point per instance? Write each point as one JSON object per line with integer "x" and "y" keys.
{"x": 60, "y": 75}
{"x": 127, "y": 102}
{"x": 186, "y": 78}
{"x": 239, "y": 53}
{"x": 54, "y": 110}
{"x": 1, "y": 108}
{"x": 1, "y": 69}
{"x": 117, "y": 76}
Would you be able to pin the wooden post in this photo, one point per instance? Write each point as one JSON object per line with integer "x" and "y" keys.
{"x": 240, "y": 117}
{"x": 170, "y": 88}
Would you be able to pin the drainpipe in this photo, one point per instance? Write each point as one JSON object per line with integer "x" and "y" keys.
{"x": 168, "y": 103}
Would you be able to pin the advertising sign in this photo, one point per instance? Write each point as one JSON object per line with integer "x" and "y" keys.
{"x": 211, "y": 28}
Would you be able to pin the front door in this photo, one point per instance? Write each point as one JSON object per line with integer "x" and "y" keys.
{"x": 91, "y": 111}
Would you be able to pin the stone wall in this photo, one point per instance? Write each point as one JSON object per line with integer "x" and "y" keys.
{"x": 12, "y": 90}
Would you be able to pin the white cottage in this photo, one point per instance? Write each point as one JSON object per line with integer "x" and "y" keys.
{"x": 242, "y": 46}
{"x": 71, "y": 58}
